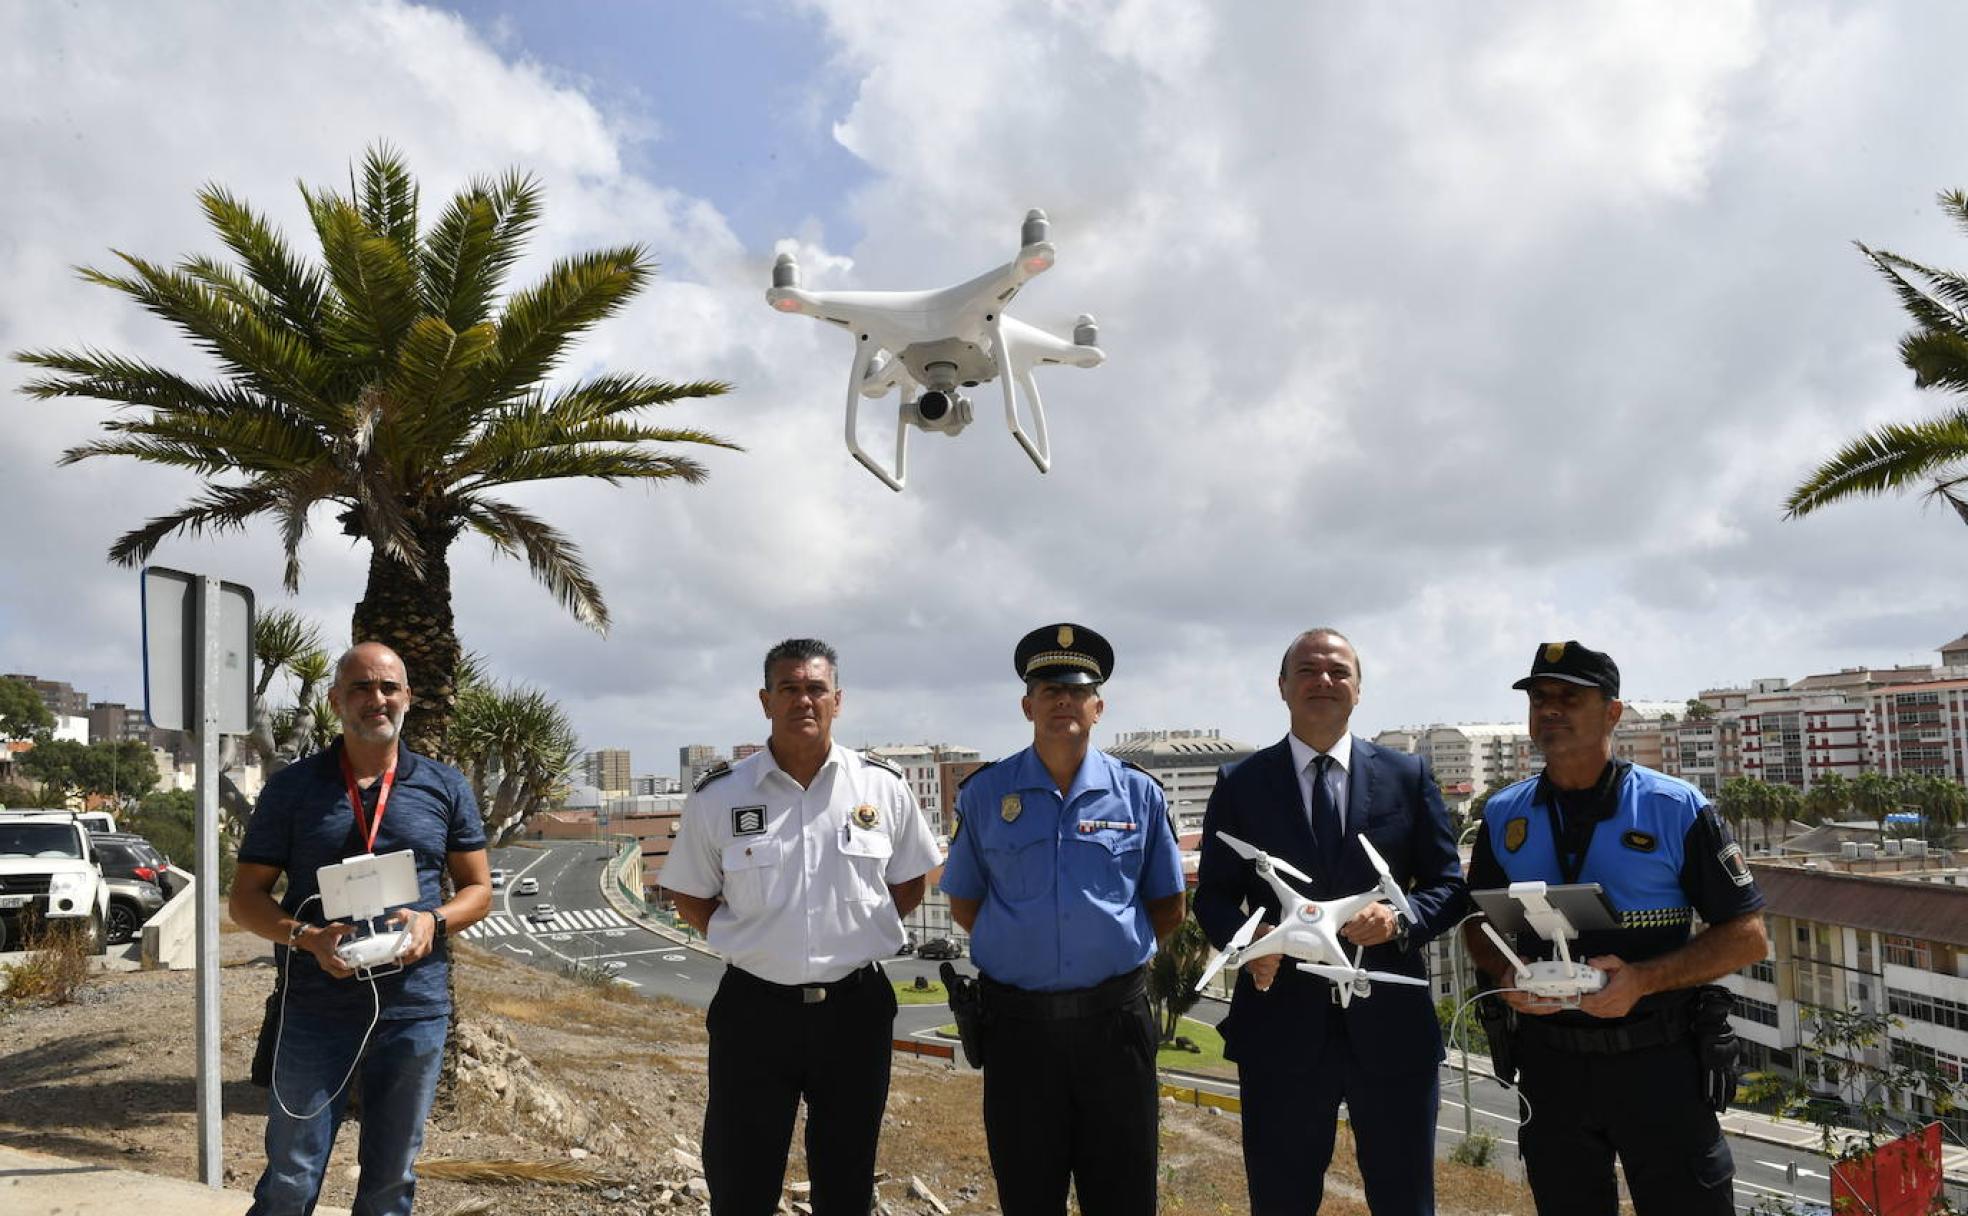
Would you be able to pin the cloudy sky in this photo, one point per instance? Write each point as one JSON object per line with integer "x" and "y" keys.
{"x": 1460, "y": 327}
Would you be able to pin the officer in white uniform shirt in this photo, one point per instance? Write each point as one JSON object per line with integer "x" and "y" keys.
{"x": 798, "y": 864}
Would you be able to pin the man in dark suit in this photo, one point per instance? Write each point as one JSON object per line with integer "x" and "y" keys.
{"x": 1307, "y": 799}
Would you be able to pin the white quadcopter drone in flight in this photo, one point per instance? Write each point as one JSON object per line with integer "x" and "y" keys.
{"x": 1310, "y": 932}
{"x": 931, "y": 344}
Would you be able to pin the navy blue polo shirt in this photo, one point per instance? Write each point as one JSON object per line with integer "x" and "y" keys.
{"x": 303, "y": 821}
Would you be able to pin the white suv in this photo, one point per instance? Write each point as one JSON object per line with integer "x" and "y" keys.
{"x": 48, "y": 872}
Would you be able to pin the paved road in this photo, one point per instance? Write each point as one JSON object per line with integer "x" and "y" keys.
{"x": 585, "y": 930}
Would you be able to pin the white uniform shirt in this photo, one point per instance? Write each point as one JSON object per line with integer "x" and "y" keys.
{"x": 804, "y": 873}
{"x": 1341, "y": 780}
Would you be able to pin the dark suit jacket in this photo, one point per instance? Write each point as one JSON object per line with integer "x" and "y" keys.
{"x": 1392, "y": 797}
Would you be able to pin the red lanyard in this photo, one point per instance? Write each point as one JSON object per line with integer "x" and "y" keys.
{"x": 363, "y": 823}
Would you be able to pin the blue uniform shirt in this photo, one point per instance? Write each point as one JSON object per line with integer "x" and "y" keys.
{"x": 1064, "y": 883}
{"x": 303, "y": 821}
{"x": 1655, "y": 847}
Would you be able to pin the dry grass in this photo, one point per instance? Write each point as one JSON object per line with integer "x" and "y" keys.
{"x": 56, "y": 966}
{"x": 512, "y": 1171}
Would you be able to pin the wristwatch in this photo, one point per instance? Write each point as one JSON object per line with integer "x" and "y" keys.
{"x": 438, "y": 927}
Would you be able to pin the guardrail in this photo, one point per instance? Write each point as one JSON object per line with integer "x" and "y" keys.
{"x": 1193, "y": 1096}
{"x": 917, "y": 1047}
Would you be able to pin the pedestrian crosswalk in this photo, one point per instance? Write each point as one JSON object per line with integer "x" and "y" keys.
{"x": 567, "y": 920}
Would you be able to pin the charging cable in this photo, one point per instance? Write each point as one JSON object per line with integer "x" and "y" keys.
{"x": 273, "y": 1081}
{"x": 1455, "y": 1038}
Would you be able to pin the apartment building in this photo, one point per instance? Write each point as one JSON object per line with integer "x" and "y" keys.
{"x": 924, "y": 766}
{"x": 1881, "y": 943}
{"x": 693, "y": 761}
{"x": 607, "y": 770}
{"x": 1185, "y": 762}
{"x": 1918, "y": 728}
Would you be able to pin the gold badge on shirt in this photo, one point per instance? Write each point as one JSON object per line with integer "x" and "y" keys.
{"x": 866, "y": 816}
{"x": 1515, "y": 833}
{"x": 1008, "y": 807}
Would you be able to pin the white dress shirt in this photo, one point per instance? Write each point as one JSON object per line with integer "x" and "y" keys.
{"x": 804, "y": 873}
{"x": 1303, "y": 755}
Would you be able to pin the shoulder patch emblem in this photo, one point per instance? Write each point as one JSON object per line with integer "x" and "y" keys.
{"x": 1515, "y": 833}
{"x": 1733, "y": 864}
{"x": 1639, "y": 840}
{"x": 881, "y": 763}
{"x": 1009, "y": 808}
{"x": 721, "y": 769}
{"x": 866, "y": 816}
{"x": 748, "y": 821}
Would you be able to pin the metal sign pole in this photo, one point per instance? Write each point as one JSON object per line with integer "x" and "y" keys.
{"x": 211, "y": 1161}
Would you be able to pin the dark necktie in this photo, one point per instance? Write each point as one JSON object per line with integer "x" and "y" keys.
{"x": 1327, "y": 830}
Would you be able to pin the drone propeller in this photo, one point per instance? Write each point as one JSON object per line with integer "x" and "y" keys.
{"x": 1238, "y": 940}
{"x": 1346, "y": 975}
{"x": 1388, "y": 887}
{"x": 1252, "y": 853}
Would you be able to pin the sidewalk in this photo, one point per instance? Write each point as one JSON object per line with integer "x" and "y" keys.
{"x": 56, "y": 1186}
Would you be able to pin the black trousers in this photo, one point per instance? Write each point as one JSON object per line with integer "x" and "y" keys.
{"x": 1646, "y": 1107}
{"x": 769, "y": 1049}
{"x": 1290, "y": 1119}
{"x": 1072, "y": 1100}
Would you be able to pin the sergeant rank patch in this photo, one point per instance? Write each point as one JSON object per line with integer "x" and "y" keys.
{"x": 747, "y": 821}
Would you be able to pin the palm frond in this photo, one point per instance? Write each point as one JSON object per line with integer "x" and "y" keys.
{"x": 388, "y": 203}
{"x": 431, "y": 382}
{"x": 608, "y": 464}
{"x": 273, "y": 361}
{"x": 1939, "y": 358}
{"x": 1892, "y": 457}
{"x": 474, "y": 244}
{"x": 218, "y": 509}
{"x": 101, "y": 376}
{"x": 296, "y": 288}
{"x": 553, "y": 559}
{"x": 540, "y": 321}
{"x": 1926, "y": 310}
{"x": 605, "y": 396}
{"x": 375, "y": 286}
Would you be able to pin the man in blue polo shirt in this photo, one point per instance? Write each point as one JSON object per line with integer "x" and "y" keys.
{"x": 1064, "y": 870}
{"x": 364, "y": 794}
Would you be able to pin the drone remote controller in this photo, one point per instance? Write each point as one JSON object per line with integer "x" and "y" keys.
{"x": 375, "y": 954}
{"x": 1561, "y": 981}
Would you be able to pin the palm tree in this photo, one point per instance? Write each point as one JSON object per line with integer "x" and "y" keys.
{"x": 1828, "y": 796}
{"x": 517, "y": 748}
{"x": 394, "y": 382}
{"x": 1737, "y": 802}
{"x": 1875, "y": 795}
{"x": 1900, "y": 454}
{"x": 1782, "y": 804}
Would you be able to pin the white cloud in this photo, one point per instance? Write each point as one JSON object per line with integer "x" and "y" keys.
{"x": 1459, "y": 328}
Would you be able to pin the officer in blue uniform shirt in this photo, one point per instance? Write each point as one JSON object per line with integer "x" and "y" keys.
{"x": 1065, "y": 872}
{"x": 1640, "y": 1068}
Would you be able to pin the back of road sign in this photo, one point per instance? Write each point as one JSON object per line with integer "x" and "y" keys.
{"x": 170, "y": 652}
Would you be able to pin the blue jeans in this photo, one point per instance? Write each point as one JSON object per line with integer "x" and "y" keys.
{"x": 398, "y": 1075}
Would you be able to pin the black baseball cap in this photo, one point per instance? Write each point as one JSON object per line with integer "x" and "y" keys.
{"x": 1574, "y": 664}
{"x": 1063, "y": 654}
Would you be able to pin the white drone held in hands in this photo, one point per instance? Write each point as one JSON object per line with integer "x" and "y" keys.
{"x": 1310, "y": 932}
{"x": 932, "y": 344}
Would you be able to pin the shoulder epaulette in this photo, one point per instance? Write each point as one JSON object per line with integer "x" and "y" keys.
{"x": 974, "y": 772}
{"x": 1144, "y": 772}
{"x": 721, "y": 769}
{"x": 882, "y": 763}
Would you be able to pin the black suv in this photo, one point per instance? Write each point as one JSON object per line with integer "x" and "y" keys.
{"x": 134, "y": 870}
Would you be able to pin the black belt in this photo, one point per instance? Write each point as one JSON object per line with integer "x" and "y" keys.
{"x": 1656, "y": 1030}
{"x": 807, "y": 994}
{"x": 1003, "y": 1000}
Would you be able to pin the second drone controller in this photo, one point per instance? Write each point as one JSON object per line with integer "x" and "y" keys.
{"x": 376, "y": 952}
{"x": 1561, "y": 980}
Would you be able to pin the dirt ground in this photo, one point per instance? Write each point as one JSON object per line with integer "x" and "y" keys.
{"x": 562, "y": 1076}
